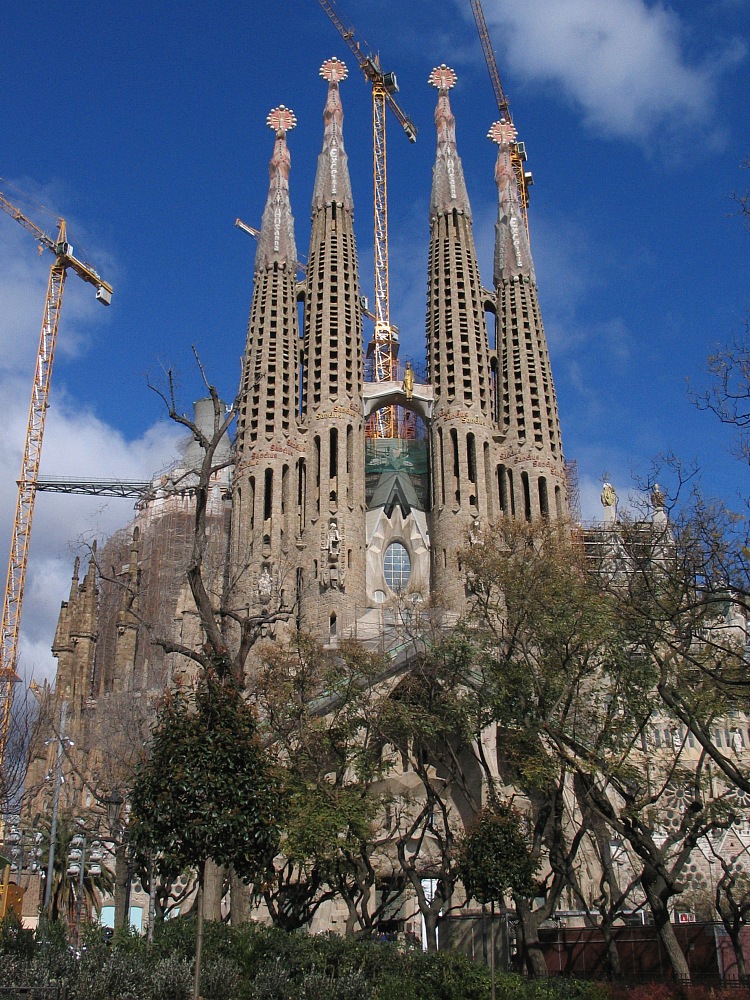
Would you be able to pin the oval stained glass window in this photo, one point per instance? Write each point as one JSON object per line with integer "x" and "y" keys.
{"x": 397, "y": 567}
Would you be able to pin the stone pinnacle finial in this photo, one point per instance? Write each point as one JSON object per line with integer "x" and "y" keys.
{"x": 503, "y": 132}
{"x": 442, "y": 77}
{"x": 334, "y": 70}
{"x": 448, "y": 187}
{"x": 332, "y": 177}
{"x": 281, "y": 120}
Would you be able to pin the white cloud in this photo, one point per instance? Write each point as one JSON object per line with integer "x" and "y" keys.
{"x": 77, "y": 444}
{"x": 623, "y": 62}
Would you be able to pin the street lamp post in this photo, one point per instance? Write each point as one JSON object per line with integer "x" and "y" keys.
{"x": 55, "y": 807}
{"x": 22, "y": 851}
{"x": 77, "y": 868}
{"x": 79, "y": 853}
{"x": 10, "y": 844}
{"x": 114, "y": 810}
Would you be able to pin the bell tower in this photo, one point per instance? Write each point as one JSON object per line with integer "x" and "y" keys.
{"x": 529, "y": 464}
{"x": 333, "y": 589}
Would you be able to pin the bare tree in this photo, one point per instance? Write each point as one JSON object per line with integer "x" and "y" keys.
{"x": 21, "y": 744}
{"x": 214, "y": 612}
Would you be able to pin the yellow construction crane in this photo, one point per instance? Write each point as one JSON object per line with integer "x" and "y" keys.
{"x": 517, "y": 150}
{"x": 384, "y": 346}
{"x": 64, "y": 259}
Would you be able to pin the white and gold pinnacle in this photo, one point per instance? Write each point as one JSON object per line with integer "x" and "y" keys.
{"x": 442, "y": 77}
{"x": 281, "y": 120}
{"x": 334, "y": 70}
{"x": 503, "y": 132}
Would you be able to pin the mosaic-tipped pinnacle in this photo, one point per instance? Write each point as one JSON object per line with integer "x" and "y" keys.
{"x": 334, "y": 70}
{"x": 281, "y": 119}
{"x": 502, "y": 132}
{"x": 442, "y": 77}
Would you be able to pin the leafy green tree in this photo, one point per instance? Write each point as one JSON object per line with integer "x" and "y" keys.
{"x": 317, "y": 708}
{"x": 494, "y": 856}
{"x": 494, "y": 859}
{"x": 579, "y": 658}
{"x": 207, "y": 790}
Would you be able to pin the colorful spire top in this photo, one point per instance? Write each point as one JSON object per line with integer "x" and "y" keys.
{"x": 276, "y": 241}
{"x": 503, "y": 132}
{"x": 332, "y": 180}
{"x": 448, "y": 187}
{"x": 442, "y": 77}
{"x": 512, "y": 251}
{"x": 334, "y": 70}
{"x": 281, "y": 120}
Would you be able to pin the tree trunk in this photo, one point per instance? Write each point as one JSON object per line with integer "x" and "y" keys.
{"x": 734, "y": 931}
{"x": 613, "y": 955}
{"x": 492, "y": 951}
{"x": 660, "y": 911}
{"x": 198, "y": 944}
{"x": 431, "y": 918}
{"x": 239, "y": 900}
{"x": 213, "y": 890}
{"x": 351, "y": 920}
{"x": 533, "y": 955}
{"x": 122, "y": 872}
{"x": 151, "y": 900}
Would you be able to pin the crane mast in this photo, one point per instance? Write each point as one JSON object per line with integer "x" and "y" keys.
{"x": 518, "y": 150}
{"x": 383, "y": 349}
{"x": 19, "y": 547}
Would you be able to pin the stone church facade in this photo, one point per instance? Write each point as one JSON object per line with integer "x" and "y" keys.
{"x": 313, "y": 511}
{"x": 316, "y": 512}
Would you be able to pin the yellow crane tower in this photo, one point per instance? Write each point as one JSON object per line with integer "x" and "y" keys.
{"x": 383, "y": 348}
{"x": 524, "y": 177}
{"x": 64, "y": 258}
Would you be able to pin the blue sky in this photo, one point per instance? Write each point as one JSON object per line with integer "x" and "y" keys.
{"x": 144, "y": 125}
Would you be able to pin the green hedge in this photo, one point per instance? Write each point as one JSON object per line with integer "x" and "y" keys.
{"x": 257, "y": 963}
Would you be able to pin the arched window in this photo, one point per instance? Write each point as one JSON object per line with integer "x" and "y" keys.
{"x": 397, "y": 567}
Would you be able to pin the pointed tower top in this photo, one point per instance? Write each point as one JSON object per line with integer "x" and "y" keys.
{"x": 74, "y": 582}
{"x": 443, "y": 77}
{"x": 276, "y": 241}
{"x": 448, "y": 185}
{"x": 512, "y": 250}
{"x": 334, "y": 70}
{"x": 503, "y": 132}
{"x": 332, "y": 179}
{"x": 281, "y": 120}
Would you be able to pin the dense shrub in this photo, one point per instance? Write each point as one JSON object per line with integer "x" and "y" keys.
{"x": 172, "y": 979}
{"x": 14, "y": 940}
{"x": 263, "y": 963}
{"x": 101, "y": 976}
{"x": 221, "y": 979}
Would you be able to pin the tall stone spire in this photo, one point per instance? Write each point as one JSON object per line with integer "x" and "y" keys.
{"x": 267, "y": 450}
{"x": 276, "y": 241}
{"x": 75, "y": 639}
{"x": 530, "y": 467}
{"x": 512, "y": 250}
{"x": 332, "y": 182}
{"x": 458, "y": 358}
{"x": 334, "y": 583}
{"x": 448, "y": 185}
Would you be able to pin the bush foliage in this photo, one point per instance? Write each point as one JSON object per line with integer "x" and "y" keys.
{"x": 263, "y": 963}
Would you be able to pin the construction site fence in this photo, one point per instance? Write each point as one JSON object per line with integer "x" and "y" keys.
{"x": 582, "y": 952}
